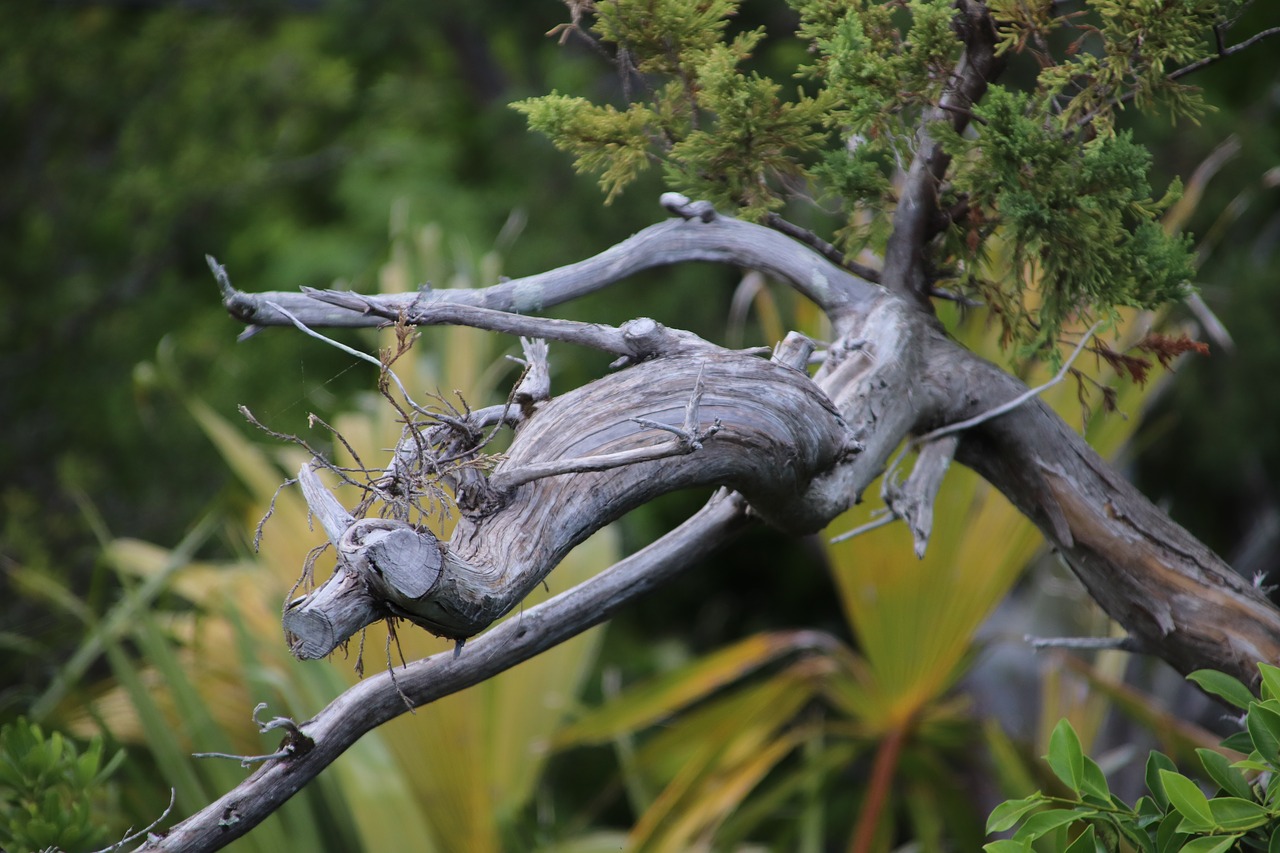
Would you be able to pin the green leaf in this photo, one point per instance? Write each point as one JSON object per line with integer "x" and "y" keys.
{"x": 1228, "y": 778}
{"x": 1235, "y": 814}
{"x": 1094, "y": 781}
{"x": 1273, "y": 846}
{"x": 1187, "y": 798}
{"x": 1263, "y": 724}
{"x": 1270, "y": 680}
{"x": 1005, "y": 815}
{"x": 1066, "y": 756}
{"x": 1085, "y": 843}
{"x": 1210, "y": 844}
{"x": 1156, "y": 762}
{"x": 1222, "y": 685}
{"x": 1239, "y": 741}
{"x": 1006, "y": 845}
{"x": 1047, "y": 821}
{"x": 1168, "y": 836}
{"x": 1135, "y": 829}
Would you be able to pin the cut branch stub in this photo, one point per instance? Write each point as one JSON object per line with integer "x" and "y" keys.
{"x": 399, "y": 563}
{"x": 316, "y": 624}
{"x": 385, "y": 568}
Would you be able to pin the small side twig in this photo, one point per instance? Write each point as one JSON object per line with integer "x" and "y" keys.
{"x": 822, "y": 247}
{"x": 363, "y": 356}
{"x": 887, "y": 517}
{"x": 295, "y": 742}
{"x": 131, "y": 837}
{"x": 1017, "y": 401}
{"x": 1123, "y": 644}
{"x": 684, "y": 207}
{"x": 1223, "y": 52}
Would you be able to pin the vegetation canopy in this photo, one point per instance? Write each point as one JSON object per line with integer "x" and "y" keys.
{"x": 1036, "y": 173}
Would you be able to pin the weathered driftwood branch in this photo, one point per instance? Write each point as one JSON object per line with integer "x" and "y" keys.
{"x": 722, "y": 240}
{"x": 1174, "y": 596}
{"x": 799, "y": 449}
{"x": 888, "y": 374}
{"x": 770, "y": 445}
{"x": 377, "y": 699}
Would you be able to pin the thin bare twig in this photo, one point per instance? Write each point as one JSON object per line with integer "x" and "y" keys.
{"x": 1124, "y": 644}
{"x": 131, "y": 837}
{"x": 822, "y": 247}
{"x": 1016, "y": 401}
{"x": 363, "y": 356}
{"x": 887, "y": 518}
{"x": 1223, "y": 52}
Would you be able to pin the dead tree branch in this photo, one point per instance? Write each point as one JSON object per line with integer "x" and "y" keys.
{"x": 721, "y": 240}
{"x": 798, "y": 449}
{"x": 378, "y": 699}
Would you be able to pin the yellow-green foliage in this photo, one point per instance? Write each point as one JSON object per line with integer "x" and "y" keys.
{"x": 1041, "y": 169}
{"x": 454, "y": 775}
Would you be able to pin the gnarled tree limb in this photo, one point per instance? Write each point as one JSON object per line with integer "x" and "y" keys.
{"x": 800, "y": 450}
{"x": 378, "y": 698}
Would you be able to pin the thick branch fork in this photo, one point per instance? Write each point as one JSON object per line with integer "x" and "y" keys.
{"x": 380, "y": 698}
{"x": 888, "y": 374}
{"x": 797, "y": 450}
{"x": 580, "y": 461}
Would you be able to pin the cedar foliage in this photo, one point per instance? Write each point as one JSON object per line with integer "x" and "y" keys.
{"x": 1052, "y": 216}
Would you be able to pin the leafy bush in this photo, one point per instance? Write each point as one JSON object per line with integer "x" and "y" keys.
{"x": 1242, "y": 814}
{"x": 47, "y": 789}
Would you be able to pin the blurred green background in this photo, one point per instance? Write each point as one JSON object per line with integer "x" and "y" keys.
{"x": 369, "y": 145}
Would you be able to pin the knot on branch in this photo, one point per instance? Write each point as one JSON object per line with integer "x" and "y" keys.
{"x": 686, "y": 209}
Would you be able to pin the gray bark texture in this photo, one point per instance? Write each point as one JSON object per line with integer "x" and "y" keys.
{"x": 788, "y": 448}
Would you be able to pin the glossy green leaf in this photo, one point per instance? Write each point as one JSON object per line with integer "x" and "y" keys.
{"x": 1228, "y": 778}
{"x": 1169, "y": 838}
{"x": 1137, "y": 832}
{"x": 1010, "y": 812}
{"x": 1210, "y": 844}
{"x": 1270, "y": 680}
{"x": 1273, "y": 846}
{"x": 1066, "y": 757}
{"x": 1187, "y": 798}
{"x": 1006, "y": 845}
{"x": 1086, "y": 842}
{"x": 1239, "y": 741}
{"x": 1156, "y": 762}
{"x": 1263, "y": 724}
{"x": 1223, "y": 685}
{"x": 1094, "y": 781}
{"x": 1236, "y": 815}
{"x": 1047, "y": 821}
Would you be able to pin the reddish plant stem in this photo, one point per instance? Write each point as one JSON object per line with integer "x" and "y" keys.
{"x": 882, "y": 772}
